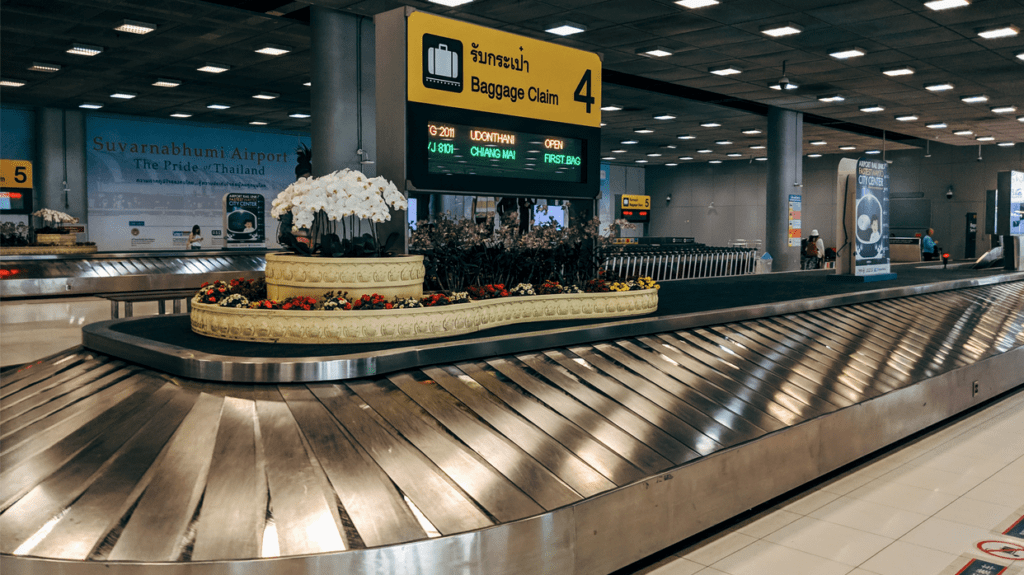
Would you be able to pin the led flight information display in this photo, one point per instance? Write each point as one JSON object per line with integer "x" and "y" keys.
{"x": 459, "y": 149}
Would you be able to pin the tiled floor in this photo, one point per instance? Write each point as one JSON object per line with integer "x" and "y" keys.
{"x": 919, "y": 510}
{"x": 31, "y": 329}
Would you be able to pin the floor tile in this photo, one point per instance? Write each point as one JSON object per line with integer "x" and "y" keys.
{"x": 956, "y": 464}
{"x": 937, "y": 480}
{"x": 847, "y": 483}
{"x": 829, "y": 540}
{"x": 708, "y": 552}
{"x": 946, "y": 536}
{"x": 998, "y": 492}
{"x": 768, "y": 522}
{"x": 808, "y": 503}
{"x": 902, "y": 558}
{"x": 674, "y": 566}
{"x": 765, "y": 558}
{"x": 902, "y": 496}
{"x": 711, "y": 571}
{"x": 977, "y": 513}
{"x": 868, "y": 516}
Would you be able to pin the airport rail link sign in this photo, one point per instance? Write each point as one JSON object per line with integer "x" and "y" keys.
{"x": 871, "y": 221}
{"x": 461, "y": 65}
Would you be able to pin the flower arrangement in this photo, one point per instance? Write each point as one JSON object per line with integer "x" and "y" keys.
{"x": 314, "y": 207}
{"x": 487, "y": 291}
{"x": 54, "y": 221}
{"x": 234, "y": 300}
{"x": 522, "y": 289}
{"x": 304, "y": 303}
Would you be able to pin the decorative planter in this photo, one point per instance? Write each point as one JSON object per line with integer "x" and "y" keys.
{"x": 280, "y": 326}
{"x": 289, "y": 276}
{"x": 56, "y": 239}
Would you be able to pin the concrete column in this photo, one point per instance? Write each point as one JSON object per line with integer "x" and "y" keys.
{"x": 785, "y": 177}
{"x": 60, "y": 139}
{"x": 333, "y": 96}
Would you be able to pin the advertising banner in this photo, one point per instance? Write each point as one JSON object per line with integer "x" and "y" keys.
{"x": 1016, "y": 204}
{"x": 795, "y": 202}
{"x": 243, "y": 221}
{"x": 871, "y": 254}
{"x": 150, "y": 182}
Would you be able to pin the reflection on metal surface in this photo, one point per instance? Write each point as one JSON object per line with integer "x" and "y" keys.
{"x": 576, "y": 458}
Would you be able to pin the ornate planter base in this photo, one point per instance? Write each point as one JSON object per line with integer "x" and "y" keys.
{"x": 47, "y": 250}
{"x": 279, "y": 326}
{"x": 56, "y": 239}
{"x": 289, "y": 276}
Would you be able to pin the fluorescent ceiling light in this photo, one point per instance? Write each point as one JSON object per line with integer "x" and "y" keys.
{"x": 685, "y": 158}
{"x": 609, "y": 158}
{"x": 566, "y": 28}
{"x": 723, "y": 142}
{"x": 778, "y": 30}
{"x": 167, "y": 83}
{"x": 257, "y": 123}
{"x": 307, "y": 84}
{"x": 735, "y": 155}
{"x": 298, "y": 115}
{"x": 725, "y": 71}
{"x": 1005, "y": 144}
{"x": 619, "y": 151}
{"x": 84, "y": 50}
{"x": 611, "y": 108}
{"x": 124, "y": 95}
{"x": 936, "y": 125}
{"x": 629, "y": 142}
{"x": 847, "y": 53}
{"x": 266, "y": 96}
{"x": 963, "y": 133}
{"x": 603, "y": 124}
{"x": 985, "y": 138}
{"x": 450, "y": 3}
{"x": 11, "y": 83}
{"x": 711, "y": 125}
{"x": 906, "y": 118}
{"x": 818, "y": 143}
{"x": 1020, "y": 118}
{"x": 90, "y": 105}
{"x": 674, "y": 164}
{"x": 654, "y": 51}
{"x": 901, "y": 71}
{"x": 870, "y": 109}
{"x": 654, "y": 155}
{"x": 939, "y": 87}
{"x": 757, "y": 147}
{"x": 669, "y": 147}
{"x": 873, "y": 152}
{"x": 694, "y": 4}
{"x": 686, "y": 137}
{"x": 643, "y": 131}
{"x": 1004, "y": 109}
{"x": 974, "y": 99}
{"x": 751, "y": 132}
{"x": 947, "y": 4}
{"x": 181, "y": 115}
{"x": 218, "y": 106}
{"x": 274, "y": 50}
{"x": 1000, "y": 32}
{"x": 704, "y": 151}
{"x": 44, "y": 67}
{"x": 813, "y": 155}
{"x": 761, "y": 159}
{"x": 832, "y": 98}
{"x": 847, "y": 148}
{"x": 664, "y": 117}
{"x": 714, "y": 161}
{"x": 214, "y": 68}
{"x": 135, "y": 27}
{"x": 640, "y": 161}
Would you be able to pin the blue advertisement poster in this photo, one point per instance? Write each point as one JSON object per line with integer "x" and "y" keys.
{"x": 872, "y": 218}
{"x": 1017, "y": 203}
{"x": 150, "y": 182}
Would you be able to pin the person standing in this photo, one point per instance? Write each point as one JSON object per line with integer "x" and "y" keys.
{"x": 195, "y": 239}
{"x": 928, "y": 247}
{"x": 814, "y": 251}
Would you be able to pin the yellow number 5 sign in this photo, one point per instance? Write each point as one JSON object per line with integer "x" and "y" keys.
{"x": 15, "y": 174}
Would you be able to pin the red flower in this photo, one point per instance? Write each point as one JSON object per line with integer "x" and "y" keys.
{"x": 388, "y": 306}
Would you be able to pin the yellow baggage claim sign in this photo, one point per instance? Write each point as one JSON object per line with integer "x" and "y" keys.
{"x": 476, "y": 68}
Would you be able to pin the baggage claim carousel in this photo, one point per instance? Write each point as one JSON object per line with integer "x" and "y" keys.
{"x": 544, "y": 448}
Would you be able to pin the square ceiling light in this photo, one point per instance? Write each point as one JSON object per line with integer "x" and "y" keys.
{"x": 784, "y": 29}
{"x": 832, "y": 98}
{"x": 1020, "y": 56}
{"x": 273, "y": 50}
{"x": 873, "y": 152}
{"x": 685, "y": 158}
{"x": 944, "y": 86}
{"x": 654, "y": 155}
{"x": 686, "y": 137}
{"x": 298, "y": 115}
{"x": 1020, "y": 118}
{"x": 654, "y": 51}
{"x": 704, "y": 151}
{"x": 90, "y": 105}
{"x": 266, "y": 96}
{"x": 611, "y": 108}
{"x": 1004, "y": 109}
{"x": 963, "y": 133}
{"x": 751, "y": 132}
{"x": 734, "y": 155}
{"x": 1005, "y": 144}
{"x": 450, "y": 3}
{"x": 947, "y": 4}
{"x": 847, "y": 148}
{"x": 135, "y": 27}
{"x": 907, "y": 118}
{"x": 761, "y": 159}
{"x": 694, "y": 4}
{"x": 85, "y": 50}
{"x": 985, "y": 138}
{"x": 167, "y": 83}
{"x": 872, "y": 108}
{"x": 724, "y": 142}
{"x": 813, "y": 155}
{"x": 899, "y": 71}
{"x": 664, "y": 117}
{"x": 565, "y": 28}
{"x": 673, "y": 164}
{"x": 1004, "y": 31}
{"x": 643, "y": 131}
{"x": 629, "y": 142}
{"x": 640, "y": 161}
{"x": 757, "y": 147}
{"x": 725, "y": 70}
{"x": 609, "y": 158}
{"x": 974, "y": 99}
{"x": 217, "y": 106}
{"x": 124, "y": 95}
{"x": 181, "y": 115}
{"x": 846, "y": 53}
{"x": 44, "y": 67}
{"x": 818, "y": 143}
{"x": 8, "y": 83}
{"x": 619, "y": 151}
{"x": 711, "y": 125}
{"x": 714, "y": 161}
{"x": 936, "y": 125}
{"x": 257, "y": 123}
{"x": 214, "y": 68}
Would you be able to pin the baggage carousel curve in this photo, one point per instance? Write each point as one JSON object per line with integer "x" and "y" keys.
{"x": 576, "y": 459}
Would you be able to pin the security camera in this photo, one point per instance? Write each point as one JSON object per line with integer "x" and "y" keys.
{"x": 949, "y": 193}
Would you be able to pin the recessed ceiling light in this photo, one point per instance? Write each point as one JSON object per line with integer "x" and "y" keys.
{"x": 901, "y": 71}
{"x": 167, "y": 83}
{"x": 906, "y": 118}
{"x": 181, "y": 115}
{"x": 450, "y": 3}
{"x": 214, "y": 68}
{"x": 939, "y": 87}
{"x": 761, "y": 159}
{"x": 669, "y": 147}
{"x": 714, "y": 161}
{"x": 1006, "y": 144}
{"x": 686, "y": 137}
{"x": 870, "y": 109}
{"x": 84, "y": 50}
{"x": 873, "y": 152}
{"x": 44, "y": 67}
{"x": 847, "y": 148}
{"x": 711, "y": 125}
{"x": 609, "y": 158}
{"x": 654, "y": 155}
{"x": 603, "y": 124}
{"x": 266, "y": 96}
{"x": 611, "y": 108}
{"x": 813, "y": 155}
{"x": 273, "y": 50}
{"x": 735, "y": 155}
{"x": 985, "y": 138}
{"x": 1001, "y": 32}
{"x": 298, "y": 115}
{"x": 725, "y": 71}
{"x": 257, "y": 123}
{"x": 640, "y": 161}
{"x": 846, "y": 53}
{"x": 974, "y": 99}
{"x": 947, "y": 4}
{"x": 723, "y": 142}
{"x": 963, "y": 132}
{"x": 218, "y": 106}
{"x": 619, "y": 151}
{"x": 818, "y": 143}
{"x": 693, "y": 4}
{"x": 629, "y": 142}
{"x": 936, "y": 125}
{"x": 671, "y": 164}
{"x": 1020, "y": 56}
{"x": 124, "y": 95}
{"x": 757, "y": 147}
{"x": 704, "y": 151}
{"x": 1004, "y": 109}
{"x": 565, "y": 28}
{"x": 11, "y": 83}
{"x": 685, "y": 158}
{"x": 778, "y": 30}
{"x": 751, "y": 132}
{"x": 1020, "y": 118}
{"x": 832, "y": 98}
{"x": 307, "y": 84}
{"x": 643, "y": 130}
{"x": 664, "y": 117}
{"x": 90, "y": 105}
{"x": 654, "y": 51}
{"x": 135, "y": 27}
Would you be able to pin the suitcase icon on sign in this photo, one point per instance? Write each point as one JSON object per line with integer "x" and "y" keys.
{"x": 442, "y": 63}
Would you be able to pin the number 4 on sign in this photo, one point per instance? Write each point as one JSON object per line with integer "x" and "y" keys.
{"x": 580, "y": 96}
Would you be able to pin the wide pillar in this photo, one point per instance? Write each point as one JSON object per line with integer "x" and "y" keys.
{"x": 333, "y": 73}
{"x": 59, "y": 157}
{"x": 785, "y": 177}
